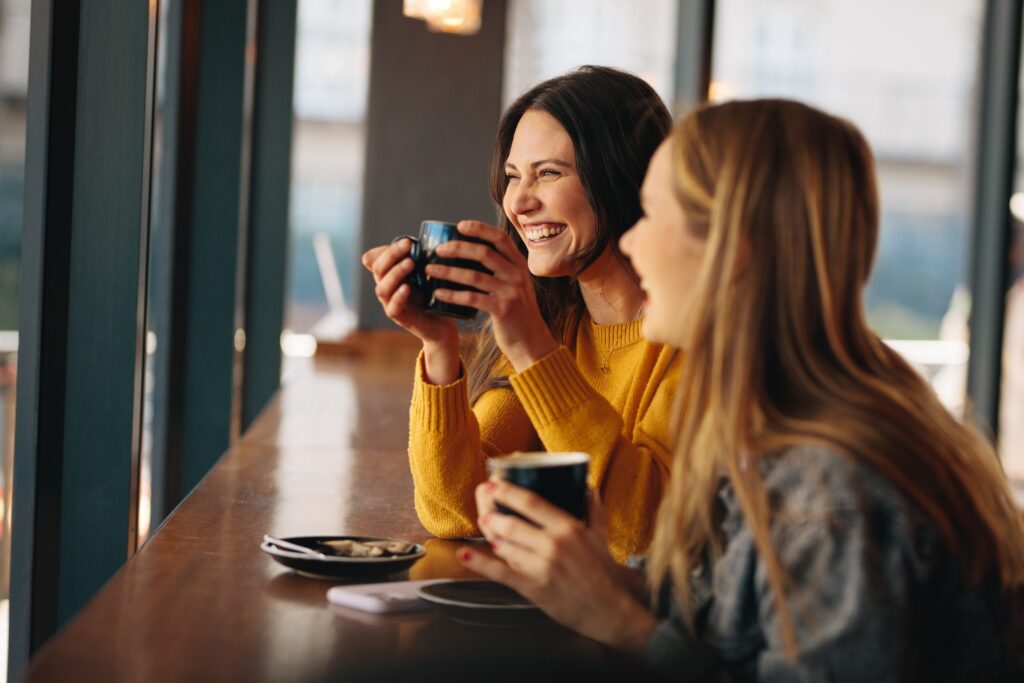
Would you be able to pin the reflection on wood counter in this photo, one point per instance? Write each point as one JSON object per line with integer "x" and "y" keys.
{"x": 200, "y": 601}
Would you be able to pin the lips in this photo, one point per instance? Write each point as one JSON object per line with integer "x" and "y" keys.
{"x": 540, "y": 232}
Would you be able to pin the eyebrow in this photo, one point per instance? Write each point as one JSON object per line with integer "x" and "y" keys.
{"x": 535, "y": 164}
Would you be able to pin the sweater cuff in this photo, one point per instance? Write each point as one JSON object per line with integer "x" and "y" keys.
{"x": 439, "y": 408}
{"x": 551, "y": 387}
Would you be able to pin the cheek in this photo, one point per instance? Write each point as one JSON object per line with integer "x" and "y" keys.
{"x": 672, "y": 270}
{"x": 574, "y": 208}
{"x": 662, "y": 262}
{"x": 584, "y": 219}
{"x": 506, "y": 204}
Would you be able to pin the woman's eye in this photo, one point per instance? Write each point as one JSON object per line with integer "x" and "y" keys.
{"x": 548, "y": 172}
{"x": 510, "y": 178}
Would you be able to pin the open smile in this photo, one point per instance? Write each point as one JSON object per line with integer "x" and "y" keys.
{"x": 541, "y": 233}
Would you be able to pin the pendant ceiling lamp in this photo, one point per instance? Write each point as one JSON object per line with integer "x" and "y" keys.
{"x": 461, "y": 17}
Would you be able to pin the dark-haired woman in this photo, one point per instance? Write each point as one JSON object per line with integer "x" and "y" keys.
{"x": 561, "y": 364}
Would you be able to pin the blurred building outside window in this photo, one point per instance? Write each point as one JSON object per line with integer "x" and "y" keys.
{"x": 545, "y": 38}
{"x": 159, "y": 260}
{"x": 14, "y": 25}
{"x": 909, "y": 83}
{"x": 332, "y": 68}
{"x": 331, "y": 76}
{"x": 1011, "y": 400}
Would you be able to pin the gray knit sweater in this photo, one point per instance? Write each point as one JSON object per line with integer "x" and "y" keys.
{"x": 873, "y": 592}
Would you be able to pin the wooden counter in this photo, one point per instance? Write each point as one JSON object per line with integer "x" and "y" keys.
{"x": 201, "y": 602}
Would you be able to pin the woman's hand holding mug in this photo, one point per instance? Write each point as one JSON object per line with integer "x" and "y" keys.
{"x": 560, "y": 564}
{"x": 507, "y": 294}
{"x": 391, "y": 265}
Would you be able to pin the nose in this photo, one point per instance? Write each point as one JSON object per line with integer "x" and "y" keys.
{"x": 522, "y": 197}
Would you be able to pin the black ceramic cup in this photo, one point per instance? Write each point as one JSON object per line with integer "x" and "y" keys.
{"x": 560, "y": 478}
{"x": 432, "y": 234}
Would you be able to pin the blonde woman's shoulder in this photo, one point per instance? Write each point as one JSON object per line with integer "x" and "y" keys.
{"x": 814, "y": 482}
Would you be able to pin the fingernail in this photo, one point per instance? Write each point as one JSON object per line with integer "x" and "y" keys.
{"x": 490, "y": 486}
{"x": 495, "y": 543}
{"x": 464, "y": 555}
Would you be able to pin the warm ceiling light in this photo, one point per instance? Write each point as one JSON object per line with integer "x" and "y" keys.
{"x": 1017, "y": 206}
{"x": 719, "y": 91}
{"x": 447, "y": 16}
{"x": 415, "y": 9}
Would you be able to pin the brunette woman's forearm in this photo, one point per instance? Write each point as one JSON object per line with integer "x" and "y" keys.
{"x": 442, "y": 363}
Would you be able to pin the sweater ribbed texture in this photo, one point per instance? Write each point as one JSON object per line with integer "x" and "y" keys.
{"x": 439, "y": 409}
{"x": 610, "y": 398}
{"x": 551, "y": 387}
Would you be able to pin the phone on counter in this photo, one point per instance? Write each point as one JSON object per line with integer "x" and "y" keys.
{"x": 382, "y": 598}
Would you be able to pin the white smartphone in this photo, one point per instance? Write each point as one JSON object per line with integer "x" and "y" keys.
{"x": 381, "y": 598}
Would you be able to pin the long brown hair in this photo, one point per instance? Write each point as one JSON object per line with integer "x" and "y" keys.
{"x": 615, "y": 121}
{"x": 780, "y": 353}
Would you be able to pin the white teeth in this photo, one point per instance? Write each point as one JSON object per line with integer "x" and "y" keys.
{"x": 543, "y": 233}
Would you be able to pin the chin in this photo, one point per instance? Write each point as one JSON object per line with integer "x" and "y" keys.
{"x": 650, "y": 329}
{"x": 656, "y": 332}
{"x": 548, "y": 269}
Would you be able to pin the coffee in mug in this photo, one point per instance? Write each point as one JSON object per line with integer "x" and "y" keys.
{"x": 560, "y": 478}
{"x": 432, "y": 234}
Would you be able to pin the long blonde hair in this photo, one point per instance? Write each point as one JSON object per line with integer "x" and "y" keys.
{"x": 780, "y": 353}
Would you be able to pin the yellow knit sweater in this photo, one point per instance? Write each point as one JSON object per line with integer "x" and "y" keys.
{"x": 612, "y": 400}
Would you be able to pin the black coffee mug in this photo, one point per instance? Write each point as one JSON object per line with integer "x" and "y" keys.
{"x": 560, "y": 478}
{"x": 432, "y": 234}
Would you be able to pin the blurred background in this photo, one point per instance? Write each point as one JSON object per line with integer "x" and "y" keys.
{"x": 906, "y": 73}
{"x": 912, "y": 98}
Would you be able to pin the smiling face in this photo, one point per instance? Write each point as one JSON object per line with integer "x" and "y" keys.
{"x": 545, "y": 200}
{"x": 664, "y": 253}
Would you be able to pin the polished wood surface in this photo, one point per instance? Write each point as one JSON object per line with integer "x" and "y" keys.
{"x": 201, "y": 602}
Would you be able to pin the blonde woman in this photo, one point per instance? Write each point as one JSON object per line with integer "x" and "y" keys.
{"x": 826, "y": 518}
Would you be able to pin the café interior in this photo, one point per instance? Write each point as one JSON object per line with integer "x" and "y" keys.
{"x": 192, "y": 356}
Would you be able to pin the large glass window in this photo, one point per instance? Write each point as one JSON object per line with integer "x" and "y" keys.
{"x": 545, "y": 38}
{"x": 332, "y": 67}
{"x": 905, "y": 74}
{"x": 160, "y": 255}
{"x": 1011, "y": 403}
{"x": 14, "y": 23}
{"x": 1011, "y": 400}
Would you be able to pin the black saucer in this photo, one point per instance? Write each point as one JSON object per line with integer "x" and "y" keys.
{"x": 481, "y": 603}
{"x": 339, "y": 566}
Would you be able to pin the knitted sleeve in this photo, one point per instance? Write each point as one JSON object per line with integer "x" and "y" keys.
{"x": 629, "y": 470}
{"x": 449, "y": 443}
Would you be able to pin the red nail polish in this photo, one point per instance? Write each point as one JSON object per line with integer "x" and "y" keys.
{"x": 490, "y": 486}
{"x": 464, "y": 555}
